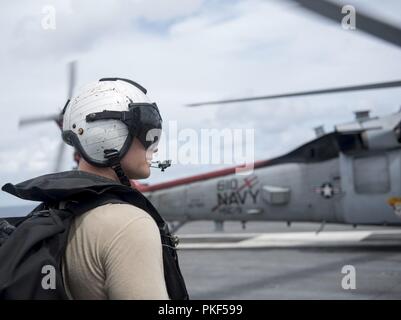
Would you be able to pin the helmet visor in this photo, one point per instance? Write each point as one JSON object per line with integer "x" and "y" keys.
{"x": 147, "y": 124}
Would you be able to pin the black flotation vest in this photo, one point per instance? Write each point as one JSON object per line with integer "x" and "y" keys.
{"x": 40, "y": 238}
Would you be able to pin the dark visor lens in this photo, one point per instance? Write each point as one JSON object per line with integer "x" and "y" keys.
{"x": 149, "y": 123}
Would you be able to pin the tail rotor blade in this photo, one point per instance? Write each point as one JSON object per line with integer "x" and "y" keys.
{"x": 34, "y": 120}
{"x": 72, "y": 66}
{"x": 59, "y": 158}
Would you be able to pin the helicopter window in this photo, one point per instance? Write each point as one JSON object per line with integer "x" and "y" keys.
{"x": 349, "y": 142}
{"x": 320, "y": 149}
{"x": 371, "y": 174}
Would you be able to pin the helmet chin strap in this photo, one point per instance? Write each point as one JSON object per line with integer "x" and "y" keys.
{"x": 114, "y": 157}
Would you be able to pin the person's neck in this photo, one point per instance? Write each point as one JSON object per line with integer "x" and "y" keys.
{"x": 104, "y": 172}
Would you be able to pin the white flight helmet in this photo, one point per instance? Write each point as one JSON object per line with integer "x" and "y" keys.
{"x": 102, "y": 119}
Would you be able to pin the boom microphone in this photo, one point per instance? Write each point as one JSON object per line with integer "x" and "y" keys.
{"x": 162, "y": 165}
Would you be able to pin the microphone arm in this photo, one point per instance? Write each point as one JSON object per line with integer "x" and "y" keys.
{"x": 162, "y": 165}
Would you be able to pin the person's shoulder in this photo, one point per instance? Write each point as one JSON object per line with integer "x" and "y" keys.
{"x": 123, "y": 210}
{"x": 114, "y": 217}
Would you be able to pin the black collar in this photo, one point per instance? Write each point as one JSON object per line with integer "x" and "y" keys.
{"x": 64, "y": 185}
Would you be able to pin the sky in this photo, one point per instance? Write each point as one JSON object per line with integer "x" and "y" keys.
{"x": 187, "y": 51}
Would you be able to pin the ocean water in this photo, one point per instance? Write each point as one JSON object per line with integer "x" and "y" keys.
{"x": 16, "y": 211}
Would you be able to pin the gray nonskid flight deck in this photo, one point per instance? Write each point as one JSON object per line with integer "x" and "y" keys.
{"x": 297, "y": 270}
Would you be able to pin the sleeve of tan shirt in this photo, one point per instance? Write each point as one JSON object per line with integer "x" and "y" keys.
{"x": 132, "y": 262}
{"x": 114, "y": 252}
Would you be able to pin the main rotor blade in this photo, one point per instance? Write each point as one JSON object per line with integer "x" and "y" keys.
{"x": 381, "y": 85}
{"x": 71, "y": 78}
{"x": 33, "y": 120}
{"x": 364, "y": 22}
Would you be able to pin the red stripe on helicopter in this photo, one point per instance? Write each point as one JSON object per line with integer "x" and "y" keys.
{"x": 192, "y": 179}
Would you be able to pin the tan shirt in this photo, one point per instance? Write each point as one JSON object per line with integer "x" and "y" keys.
{"x": 114, "y": 252}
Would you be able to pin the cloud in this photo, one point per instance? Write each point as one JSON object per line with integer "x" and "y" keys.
{"x": 79, "y": 25}
{"x": 187, "y": 51}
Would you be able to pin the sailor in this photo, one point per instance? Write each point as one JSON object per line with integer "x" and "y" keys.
{"x": 115, "y": 249}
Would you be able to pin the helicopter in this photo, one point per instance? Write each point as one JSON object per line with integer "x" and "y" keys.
{"x": 351, "y": 175}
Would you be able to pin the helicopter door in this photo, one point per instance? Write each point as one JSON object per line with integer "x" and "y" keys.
{"x": 369, "y": 181}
